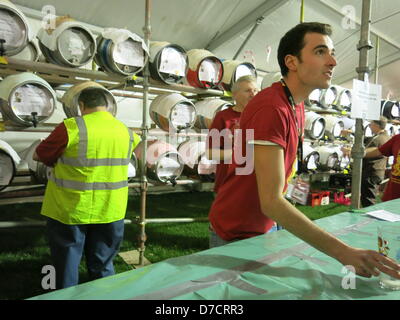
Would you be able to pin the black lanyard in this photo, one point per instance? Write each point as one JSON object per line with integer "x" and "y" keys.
{"x": 299, "y": 128}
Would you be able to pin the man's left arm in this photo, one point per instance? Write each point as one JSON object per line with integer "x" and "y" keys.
{"x": 270, "y": 173}
{"x": 372, "y": 152}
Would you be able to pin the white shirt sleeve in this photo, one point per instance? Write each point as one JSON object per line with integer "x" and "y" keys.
{"x": 263, "y": 143}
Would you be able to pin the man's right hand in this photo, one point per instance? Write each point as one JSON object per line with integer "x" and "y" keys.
{"x": 368, "y": 263}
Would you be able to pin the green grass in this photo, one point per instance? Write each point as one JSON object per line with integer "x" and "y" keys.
{"x": 24, "y": 251}
{"x": 319, "y": 212}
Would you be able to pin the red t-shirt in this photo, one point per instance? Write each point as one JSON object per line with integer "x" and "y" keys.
{"x": 236, "y": 212}
{"x": 53, "y": 146}
{"x": 392, "y": 148}
{"x": 225, "y": 119}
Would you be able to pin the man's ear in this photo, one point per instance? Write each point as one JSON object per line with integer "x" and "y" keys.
{"x": 291, "y": 62}
{"x": 81, "y": 106}
{"x": 234, "y": 95}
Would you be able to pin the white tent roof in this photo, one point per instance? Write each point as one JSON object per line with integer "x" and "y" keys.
{"x": 221, "y": 26}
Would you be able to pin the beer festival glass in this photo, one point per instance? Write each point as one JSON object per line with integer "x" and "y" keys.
{"x": 389, "y": 246}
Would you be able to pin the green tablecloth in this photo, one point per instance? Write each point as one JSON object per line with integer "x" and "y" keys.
{"x": 272, "y": 266}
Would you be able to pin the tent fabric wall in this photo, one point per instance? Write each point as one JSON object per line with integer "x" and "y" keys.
{"x": 178, "y": 21}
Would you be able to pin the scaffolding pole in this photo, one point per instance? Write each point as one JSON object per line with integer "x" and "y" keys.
{"x": 145, "y": 129}
{"x": 302, "y": 11}
{"x": 358, "y": 149}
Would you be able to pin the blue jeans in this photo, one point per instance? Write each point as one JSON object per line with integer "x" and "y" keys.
{"x": 99, "y": 242}
{"x": 274, "y": 228}
{"x": 217, "y": 241}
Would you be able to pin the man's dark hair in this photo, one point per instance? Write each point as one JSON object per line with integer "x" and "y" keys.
{"x": 293, "y": 41}
{"x": 93, "y": 97}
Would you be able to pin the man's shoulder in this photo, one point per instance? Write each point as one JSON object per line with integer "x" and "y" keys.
{"x": 271, "y": 96}
{"x": 266, "y": 103}
{"x": 393, "y": 142}
{"x": 396, "y": 138}
{"x": 227, "y": 113}
{"x": 224, "y": 116}
{"x": 379, "y": 139}
{"x": 384, "y": 138}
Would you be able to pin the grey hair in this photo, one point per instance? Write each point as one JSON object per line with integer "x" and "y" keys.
{"x": 381, "y": 122}
{"x": 248, "y": 78}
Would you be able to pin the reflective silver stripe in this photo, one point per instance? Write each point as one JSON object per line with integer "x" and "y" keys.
{"x": 129, "y": 155}
{"x": 94, "y": 162}
{"x": 82, "y": 161}
{"x": 84, "y": 186}
{"x": 83, "y": 138}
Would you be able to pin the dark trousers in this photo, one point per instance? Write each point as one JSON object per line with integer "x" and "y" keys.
{"x": 99, "y": 242}
{"x": 369, "y": 189}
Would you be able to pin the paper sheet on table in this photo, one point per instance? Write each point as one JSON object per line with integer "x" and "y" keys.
{"x": 384, "y": 215}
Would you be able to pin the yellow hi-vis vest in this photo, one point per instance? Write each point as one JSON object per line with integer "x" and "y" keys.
{"x": 89, "y": 183}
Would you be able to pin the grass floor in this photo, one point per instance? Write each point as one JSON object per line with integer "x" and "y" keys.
{"x": 24, "y": 251}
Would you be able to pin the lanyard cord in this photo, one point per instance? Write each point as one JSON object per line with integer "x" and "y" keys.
{"x": 290, "y": 98}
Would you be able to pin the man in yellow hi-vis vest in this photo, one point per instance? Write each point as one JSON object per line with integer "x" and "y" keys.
{"x": 87, "y": 191}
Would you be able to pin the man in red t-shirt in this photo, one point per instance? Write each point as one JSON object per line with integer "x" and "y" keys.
{"x": 219, "y": 140}
{"x": 251, "y": 197}
{"x": 390, "y": 148}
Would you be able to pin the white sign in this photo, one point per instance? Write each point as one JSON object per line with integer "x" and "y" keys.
{"x": 75, "y": 45}
{"x": 28, "y": 99}
{"x": 129, "y": 53}
{"x": 209, "y": 71}
{"x": 173, "y": 62}
{"x": 182, "y": 115}
{"x": 366, "y": 100}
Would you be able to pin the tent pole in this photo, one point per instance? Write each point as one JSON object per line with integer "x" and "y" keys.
{"x": 258, "y": 21}
{"x": 358, "y": 149}
{"x": 145, "y": 129}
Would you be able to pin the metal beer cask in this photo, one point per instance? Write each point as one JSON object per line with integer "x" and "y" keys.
{"x": 9, "y": 160}
{"x": 163, "y": 161}
{"x": 70, "y": 44}
{"x": 26, "y": 99}
{"x": 70, "y": 99}
{"x": 207, "y": 109}
{"x": 234, "y": 69}
{"x": 14, "y": 29}
{"x": 39, "y": 171}
{"x": 173, "y": 112}
{"x": 205, "y": 69}
{"x": 168, "y": 62}
{"x": 121, "y": 52}
{"x": 193, "y": 154}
